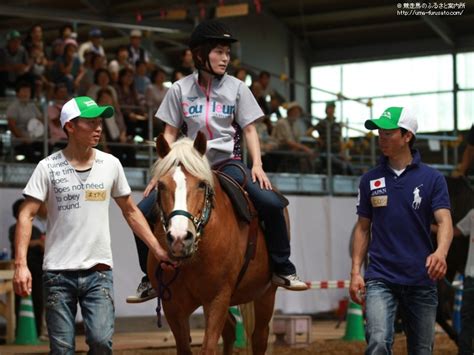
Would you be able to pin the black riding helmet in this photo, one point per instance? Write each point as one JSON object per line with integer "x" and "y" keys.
{"x": 206, "y": 36}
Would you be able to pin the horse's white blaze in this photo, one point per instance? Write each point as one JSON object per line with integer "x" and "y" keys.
{"x": 179, "y": 224}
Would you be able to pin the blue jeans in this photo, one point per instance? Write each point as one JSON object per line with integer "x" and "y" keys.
{"x": 270, "y": 210}
{"x": 418, "y": 308}
{"x": 466, "y": 337}
{"x": 94, "y": 292}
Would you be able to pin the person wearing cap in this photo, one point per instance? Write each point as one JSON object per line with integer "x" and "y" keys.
{"x": 135, "y": 51}
{"x": 223, "y": 108}
{"x": 77, "y": 184}
{"x": 396, "y": 204}
{"x": 93, "y": 45}
{"x": 14, "y": 63}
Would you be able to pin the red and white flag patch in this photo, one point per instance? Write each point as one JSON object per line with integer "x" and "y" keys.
{"x": 377, "y": 183}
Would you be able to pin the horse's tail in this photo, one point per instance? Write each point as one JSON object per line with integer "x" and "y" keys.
{"x": 247, "y": 311}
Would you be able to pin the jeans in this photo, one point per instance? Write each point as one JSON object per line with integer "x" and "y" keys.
{"x": 418, "y": 308}
{"x": 146, "y": 207}
{"x": 270, "y": 210}
{"x": 466, "y": 337}
{"x": 94, "y": 292}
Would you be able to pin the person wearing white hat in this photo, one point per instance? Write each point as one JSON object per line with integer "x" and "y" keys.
{"x": 396, "y": 204}
{"x": 135, "y": 51}
{"x": 77, "y": 183}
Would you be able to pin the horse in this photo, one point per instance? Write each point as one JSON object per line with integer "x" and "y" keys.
{"x": 198, "y": 225}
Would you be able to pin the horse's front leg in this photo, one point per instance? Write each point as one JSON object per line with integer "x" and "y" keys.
{"x": 178, "y": 320}
{"x": 215, "y": 313}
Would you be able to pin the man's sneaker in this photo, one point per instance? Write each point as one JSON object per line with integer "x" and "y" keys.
{"x": 145, "y": 292}
{"x": 290, "y": 282}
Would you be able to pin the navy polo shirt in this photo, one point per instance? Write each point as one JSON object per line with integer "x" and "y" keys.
{"x": 401, "y": 210}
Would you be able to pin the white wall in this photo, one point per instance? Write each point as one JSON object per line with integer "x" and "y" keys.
{"x": 320, "y": 228}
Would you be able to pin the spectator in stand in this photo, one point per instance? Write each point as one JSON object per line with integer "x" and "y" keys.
{"x": 187, "y": 63}
{"x": 157, "y": 90}
{"x": 241, "y": 74}
{"x": 58, "y": 138}
{"x": 14, "y": 64}
{"x": 68, "y": 68}
{"x": 57, "y": 50}
{"x": 66, "y": 32}
{"x": 287, "y": 131}
{"x": 177, "y": 75}
{"x": 340, "y": 163}
{"x": 264, "y": 80}
{"x": 120, "y": 62}
{"x": 93, "y": 45}
{"x": 38, "y": 65}
{"x": 257, "y": 92}
{"x": 154, "y": 96}
{"x": 467, "y": 157}
{"x": 101, "y": 81}
{"x": 133, "y": 113}
{"x": 276, "y": 100}
{"x": 135, "y": 51}
{"x": 141, "y": 80}
{"x": 115, "y": 130}
{"x": 34, "y": 38}
{"x": 25, "y": 123}
{"x": 96, "y": 62}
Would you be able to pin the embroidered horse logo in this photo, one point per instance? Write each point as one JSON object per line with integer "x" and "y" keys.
{"x": 416, "y": 197}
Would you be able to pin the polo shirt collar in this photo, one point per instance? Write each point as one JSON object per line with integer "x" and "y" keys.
{"x": 383, "y": 161}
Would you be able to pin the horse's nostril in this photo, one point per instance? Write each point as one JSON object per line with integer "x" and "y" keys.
{"x": 189, "y": 236}
{"x": 169, "y": 237}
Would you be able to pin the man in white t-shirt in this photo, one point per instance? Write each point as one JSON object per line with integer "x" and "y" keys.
{"x": 466, "y": 338}
{"x": 77, "y": 184}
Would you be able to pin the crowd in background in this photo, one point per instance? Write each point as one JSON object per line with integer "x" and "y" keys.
{"x": 34, "y": 73}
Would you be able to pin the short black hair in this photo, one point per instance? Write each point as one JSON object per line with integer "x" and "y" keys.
{"x": 22, "y": 84}
{"x": 413, "y": 138}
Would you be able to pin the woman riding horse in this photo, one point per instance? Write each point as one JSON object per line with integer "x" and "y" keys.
{"x": 223, "y": 108}
{"x": 224, "y": 258}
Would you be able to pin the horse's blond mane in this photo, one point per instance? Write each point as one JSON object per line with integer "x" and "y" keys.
{"x": 183, "y": 153}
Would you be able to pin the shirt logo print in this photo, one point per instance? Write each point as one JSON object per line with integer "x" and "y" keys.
{"x": 416, "y": 198}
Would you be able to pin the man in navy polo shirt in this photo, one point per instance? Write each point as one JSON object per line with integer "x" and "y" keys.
{"x": 397, "y": 202}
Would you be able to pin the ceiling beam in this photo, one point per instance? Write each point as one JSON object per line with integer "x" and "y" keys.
{"x": 79, "y": 17}
{"x": 330, "y": 18}
{"x": 379, "y": 51}
{"x": 440, "y": 28}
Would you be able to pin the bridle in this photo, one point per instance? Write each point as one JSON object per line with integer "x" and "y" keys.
{"x": 197, "y": 222}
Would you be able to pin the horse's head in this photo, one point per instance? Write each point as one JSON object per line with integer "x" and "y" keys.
{"x": 185, "y": 192}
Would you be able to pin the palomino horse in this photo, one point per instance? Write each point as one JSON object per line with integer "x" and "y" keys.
{"x": 198, "y": 224}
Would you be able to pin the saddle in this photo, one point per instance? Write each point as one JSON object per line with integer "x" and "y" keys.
{"x": 243, "y": 207}
{"x": 245, "y": 210}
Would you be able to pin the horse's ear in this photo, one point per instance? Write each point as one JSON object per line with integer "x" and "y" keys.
{"x": 200, "y": 143}
{"x": 162, "y": 146}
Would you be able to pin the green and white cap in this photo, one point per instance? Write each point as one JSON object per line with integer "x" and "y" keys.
{"x": 84, "y": 107}
{"x": 393, "y": 118}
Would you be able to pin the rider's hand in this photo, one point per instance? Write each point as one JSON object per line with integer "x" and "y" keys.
{"x": 151, "y": 185}
{"x": 259, "y": 175}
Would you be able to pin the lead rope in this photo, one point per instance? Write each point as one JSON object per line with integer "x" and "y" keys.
{"x": 164, "y": 292}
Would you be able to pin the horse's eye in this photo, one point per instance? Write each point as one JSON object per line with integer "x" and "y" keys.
{"x": 202, "y": 185}
{"x": 160, "y": 186}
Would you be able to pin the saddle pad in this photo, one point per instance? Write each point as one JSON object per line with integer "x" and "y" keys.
{"x": 237, "y": 197}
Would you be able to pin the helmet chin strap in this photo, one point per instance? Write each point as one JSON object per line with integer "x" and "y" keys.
{"x": 210, "y": 71}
